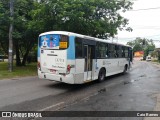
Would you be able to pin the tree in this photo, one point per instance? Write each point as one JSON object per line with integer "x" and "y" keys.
{"x": 10, "y": 54}
{"x": 137, "y": 44}
{"x": 25, "y": 37}
{"x": 90, "y": 17}
{"x": 148, "y": 48}
{"x": 31, "y": 17}
{"x": 140, "y": 44}
{"x": 4, "y": 23}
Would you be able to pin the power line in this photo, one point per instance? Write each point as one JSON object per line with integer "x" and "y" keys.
{"x": 152, "y": 28}
{"x": 146, "y": 9}
{"x": 139, "y": 36}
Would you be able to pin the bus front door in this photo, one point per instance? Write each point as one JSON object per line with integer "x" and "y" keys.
{"x": 88, "y": 62}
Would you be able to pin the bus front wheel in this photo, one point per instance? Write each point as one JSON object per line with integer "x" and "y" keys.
{"x": 101, "y": 75}
{"x": 125, "y": 69}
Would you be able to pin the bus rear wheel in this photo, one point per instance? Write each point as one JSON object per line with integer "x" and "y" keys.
{"x": 101, "y": 75}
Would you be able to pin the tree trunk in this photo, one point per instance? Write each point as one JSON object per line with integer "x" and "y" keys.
{"x": 10, "y": 51}
{"x": 18, "y": 60}
{"x": 25, "y": 58}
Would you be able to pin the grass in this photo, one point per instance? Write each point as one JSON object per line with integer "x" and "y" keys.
{"x": 28, "y": 70}
{"x": 156, "y": 62}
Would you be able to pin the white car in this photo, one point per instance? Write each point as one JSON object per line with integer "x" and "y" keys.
{"x": 148, "y": 58}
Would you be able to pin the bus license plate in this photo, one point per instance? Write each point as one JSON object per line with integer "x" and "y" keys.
{"x": 53, "y": 71}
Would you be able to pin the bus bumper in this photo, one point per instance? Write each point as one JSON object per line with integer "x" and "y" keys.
{"x": 59, "y": 78}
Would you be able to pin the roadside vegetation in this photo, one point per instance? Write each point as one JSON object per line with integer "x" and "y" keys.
{"x": 142, "y": 44}
{"x": 156, "y": 62}
{"x": 100, "y": 19}
{"x": 28, "y": 70}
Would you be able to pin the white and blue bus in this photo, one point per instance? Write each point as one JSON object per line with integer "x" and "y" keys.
{"x": 75, "y": 59}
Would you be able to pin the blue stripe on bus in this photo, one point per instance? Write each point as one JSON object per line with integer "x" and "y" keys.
{"x": 71, "y": 49}
{"x": 38, "y": 54}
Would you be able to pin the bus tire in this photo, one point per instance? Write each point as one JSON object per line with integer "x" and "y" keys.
{"x": 102, "y": 75}
{"x": 125, "y": 69}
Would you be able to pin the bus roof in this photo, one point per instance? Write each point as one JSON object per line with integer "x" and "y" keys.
{"x": 81, "y": 36}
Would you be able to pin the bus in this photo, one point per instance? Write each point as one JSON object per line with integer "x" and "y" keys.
{"x": 76, "y": 59}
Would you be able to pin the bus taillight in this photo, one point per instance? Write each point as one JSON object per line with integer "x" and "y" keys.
{"x": 68, "y": 68}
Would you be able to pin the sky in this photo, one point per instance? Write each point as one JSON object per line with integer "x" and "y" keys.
{"x": 144, "y": 19}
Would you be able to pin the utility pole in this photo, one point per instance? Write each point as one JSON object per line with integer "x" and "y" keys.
{"x": 10, "y": 51}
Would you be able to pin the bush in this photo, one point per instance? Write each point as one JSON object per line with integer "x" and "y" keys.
{"x": 158, "y": 58}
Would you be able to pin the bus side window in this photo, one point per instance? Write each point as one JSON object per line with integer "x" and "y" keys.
{"x": 119, "y": 51}
{"x": 78, "y": 48}
{"x": 111, "y": 51}
{"x": 123, "y": 51}
{"x": 107, "y": 56}
{"x": 126, "y": 52}
{"x": 100, "y": 50}
{"x": 116, "y": 51}
{"x": 97, "y": 50}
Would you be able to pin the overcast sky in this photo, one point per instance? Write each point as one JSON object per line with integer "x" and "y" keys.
{"x": 144, "y": 19}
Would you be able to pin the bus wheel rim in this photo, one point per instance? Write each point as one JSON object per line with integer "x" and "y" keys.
{"x": 101, "y": 75}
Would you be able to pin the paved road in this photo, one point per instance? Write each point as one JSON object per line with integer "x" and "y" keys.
{"x": 137, "y": 90}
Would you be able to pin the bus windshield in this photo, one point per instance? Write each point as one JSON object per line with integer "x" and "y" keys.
{"x": 53, "y": 41}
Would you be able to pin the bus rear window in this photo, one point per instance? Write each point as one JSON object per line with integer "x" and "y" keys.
{"x": 63, "y": 44}
{"x": 54, "y": 41}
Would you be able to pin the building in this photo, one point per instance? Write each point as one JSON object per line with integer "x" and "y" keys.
{"x": 138, "y": 54}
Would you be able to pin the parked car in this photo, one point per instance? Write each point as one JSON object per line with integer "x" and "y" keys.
{"x": 148, "y": 58}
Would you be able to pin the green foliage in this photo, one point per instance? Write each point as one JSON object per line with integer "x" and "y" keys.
{"x": 4, "y": 25}
{"x": 159, "y": 57}
{"x": 149, "y": 48}
{"x": 91, "y": 17}
{"x": 24, "y": 37}
{"x": 31, "y": 17}
{"x": 140, "y": 44}
{"x": 1, "y": 51}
